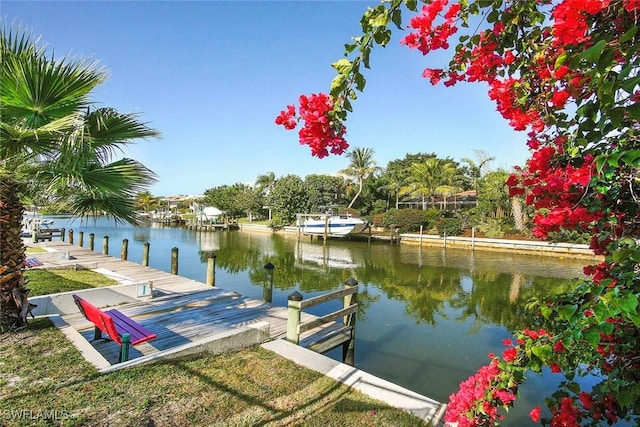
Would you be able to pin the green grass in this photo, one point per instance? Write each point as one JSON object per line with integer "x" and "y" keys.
{"x": 44, "y": 380}
{"x": 35, "y": 250}
{"x": 51, "y": 281}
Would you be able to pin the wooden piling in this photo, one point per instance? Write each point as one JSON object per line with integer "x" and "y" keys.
{"x": 91, "y": 240}
{"x": 211, "y": 269}
{"x": 81, "y": 238}
{"x": 267, "y": 288}
{"x": 71, "y": 236}
{"x": 174, "y": 261}
{"x": 62, "y": 232}
{"x": 293, "y": 316}
{"x": 348, "y": 348}
{"x": 124, "y": 252}
{"x": 145, "y": 254}
{"x": 105, "y": 245}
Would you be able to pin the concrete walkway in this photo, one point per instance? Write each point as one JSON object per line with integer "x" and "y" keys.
{"x": 200, "y": 310}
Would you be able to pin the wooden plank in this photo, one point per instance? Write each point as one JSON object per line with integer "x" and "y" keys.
{"x": 327, "y": 297}
{"x": 304, "y": 327}
{"x": 124, "y": 324}
{"x": 326, "y": 343}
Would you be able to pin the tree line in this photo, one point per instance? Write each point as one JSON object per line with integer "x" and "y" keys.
{"x": 421, "y": 181}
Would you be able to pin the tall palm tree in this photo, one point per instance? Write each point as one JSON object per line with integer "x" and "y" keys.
{"x": 53, "y": 140}
{"x": 476, "y": 169}
{"x": 264, "y": 184}
{"x": 430, "y": 177}
{"x": 361, "y": 167}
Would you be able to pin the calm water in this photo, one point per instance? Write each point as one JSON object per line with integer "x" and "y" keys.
{"x": 427, "y": 318}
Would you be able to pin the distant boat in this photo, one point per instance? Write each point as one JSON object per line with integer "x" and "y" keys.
{"x": 33, "y": 222}
{"x": 330, "y": 225}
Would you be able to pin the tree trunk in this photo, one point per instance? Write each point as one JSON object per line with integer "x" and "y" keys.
{"x": 518, "y": 214}
{"x": 14, "y": 306}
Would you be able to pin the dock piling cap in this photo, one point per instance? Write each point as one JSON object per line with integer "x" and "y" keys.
{"x": 295, "y": 296}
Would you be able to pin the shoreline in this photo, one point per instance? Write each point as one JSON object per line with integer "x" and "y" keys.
{"x": 541, "y": 248}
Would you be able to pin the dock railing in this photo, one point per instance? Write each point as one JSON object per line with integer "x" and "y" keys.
{"x": 328, "y": 338}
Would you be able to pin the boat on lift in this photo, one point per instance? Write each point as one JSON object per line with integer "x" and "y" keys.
{"x": 330, "y": 225}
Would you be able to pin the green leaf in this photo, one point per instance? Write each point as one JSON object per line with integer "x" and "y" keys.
{"x": 349, "y": 47}
{"x": 337, "y": 84}
{"x": 543, "y": 352}
{"x": 632, "y": 157}
{"x": 567, "y": 311}
{"x": 592, "y": 336}
{"x": 360, "y": 81}
{"x": 561, "y": 59}
{"x": 396, "y": 18}
{"x": 629, "y": 85}
{"x": 412, "y": 5}
{"x": 379, "y": 17}
{"x": 628, "y": 35}
{"x": 493, "y": 16}
{"x": 629, "y": 303}
{"x": 382, "y": 37}
{"x": 634, "y": 111}
{"x": 342, "y": 66}
{"x": 593, "y": 53}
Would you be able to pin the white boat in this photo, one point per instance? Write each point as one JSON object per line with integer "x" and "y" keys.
{"x": 330, "y": 225}
{"x": 34, "y": 222}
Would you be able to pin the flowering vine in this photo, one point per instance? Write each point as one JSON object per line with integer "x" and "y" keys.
{"x": 567, "y": 72}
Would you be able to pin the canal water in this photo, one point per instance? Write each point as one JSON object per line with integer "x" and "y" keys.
{"x": 427, "y": 317}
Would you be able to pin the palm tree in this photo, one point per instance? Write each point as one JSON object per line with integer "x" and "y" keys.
{"x": 361, "y": 167}
{"x": 430, "y": 177}
{"x": 53, "y": 140}
{"x": 146, "y": 201}
{"x": 475, "y": 169}
{"x": 264, "y": 184}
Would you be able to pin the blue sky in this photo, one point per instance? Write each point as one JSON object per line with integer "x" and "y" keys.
{"x": 213, "y": 75}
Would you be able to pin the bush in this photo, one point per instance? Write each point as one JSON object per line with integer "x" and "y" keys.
{"x": 407, "y": 220}
{"x": 569, "y": 236}
{"x": 450, "y": 226}
{"x": 492, "y": 228}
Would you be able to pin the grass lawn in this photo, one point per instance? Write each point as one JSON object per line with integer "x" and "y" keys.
{"x": 51, "y": 281}
{"x": 44, "y": 380}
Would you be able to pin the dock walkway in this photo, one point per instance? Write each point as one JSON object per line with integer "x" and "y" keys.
{"x": 190, "y": 317}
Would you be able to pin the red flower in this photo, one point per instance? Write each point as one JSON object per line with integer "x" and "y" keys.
{"x": 559, "y": 347}
{"x": 559, "y": 98}
{"x": 535, "y": 414}
{"x": 509, "y": 355}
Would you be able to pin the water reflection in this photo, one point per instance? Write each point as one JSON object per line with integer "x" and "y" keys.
{"x": 427, "y": 317}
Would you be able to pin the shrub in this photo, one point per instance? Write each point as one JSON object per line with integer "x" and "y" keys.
{"x": 407, "y": 220}
{"x": 450, "y": 226}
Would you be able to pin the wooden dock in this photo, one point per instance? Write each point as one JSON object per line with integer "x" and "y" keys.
{"x": 184, "y": 310}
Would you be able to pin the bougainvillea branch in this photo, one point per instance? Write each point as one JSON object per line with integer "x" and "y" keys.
{"x": 567, "y": 73}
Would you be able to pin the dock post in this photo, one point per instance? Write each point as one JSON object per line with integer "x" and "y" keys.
{"x": 348, "y": 348}
{"x": 420, "y": 235}
{"x": 174, "y": 261}
{"x": 326, "y": 227}
{"x": 145, "y": 254}
{"x": 211, "y": 269}
{"x": 124, "y": 252}
{"x": 91, "y": 240}
{"x": 81, "y": 238}
{"x": 71, "y": 236}
{"x": 267, "y": 288}
{"x": 105, "y": 245}
{"x": 293, "y": 317}
{"x": 473, "y": 238}
{"x": 62, "y": 231}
